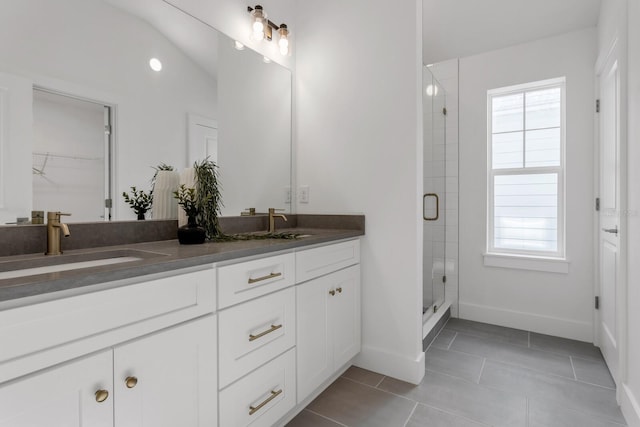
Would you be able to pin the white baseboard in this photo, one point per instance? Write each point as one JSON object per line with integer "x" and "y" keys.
{"x": 392, "y": 365}
{"x": 630, "y": 407}
{"x": 556, "y": 326}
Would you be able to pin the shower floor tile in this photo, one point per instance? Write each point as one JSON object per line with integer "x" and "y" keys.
{"x": 479, "y": 375}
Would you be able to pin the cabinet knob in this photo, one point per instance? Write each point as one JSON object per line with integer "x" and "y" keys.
{"x": 102, "y": 395}
{"x": 131, "y": 382}
{"x": 332, "y": 292}
{"x": 339, "y": 290}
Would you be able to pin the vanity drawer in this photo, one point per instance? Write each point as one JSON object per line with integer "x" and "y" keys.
{"x": 247, "y": 280}
{"x": 31, "y": 329}
{"x": 262, "y": 397}
{"x": 326, "y": 259}
{"x": 254, "y": 332}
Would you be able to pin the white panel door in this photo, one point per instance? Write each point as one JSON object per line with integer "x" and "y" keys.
{"x": 203, "y": 139}
{"x": 609, "y": 212}
{"x": 314, "y": 335}
{"x": 345, "y": 315}
{"x": 64, "y": 396}
{"x": 168, "y": 379}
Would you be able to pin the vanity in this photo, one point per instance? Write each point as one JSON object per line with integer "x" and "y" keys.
{"x": 227, "y": 334}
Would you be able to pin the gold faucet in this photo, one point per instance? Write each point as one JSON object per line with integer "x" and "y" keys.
{"x": 54, "y": 226}
{"x": 272, "y": 219}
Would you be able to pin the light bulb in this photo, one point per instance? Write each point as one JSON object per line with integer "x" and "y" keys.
{"x": 283, "y": 43}
{"x": 155, "y": 64}
{"x": 432, "y": 90}
{"x": 259, "y": 19}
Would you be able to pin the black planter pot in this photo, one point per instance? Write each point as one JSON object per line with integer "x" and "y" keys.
{"x": 141, "y": 216}
{"x": 191, "y": 234}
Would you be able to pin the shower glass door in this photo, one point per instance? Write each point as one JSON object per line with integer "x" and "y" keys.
{"x": 434, "y": 198}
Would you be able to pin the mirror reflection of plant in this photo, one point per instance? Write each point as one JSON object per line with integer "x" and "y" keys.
{"x": 139, "y": 201}
{"x": 209, "y": 198}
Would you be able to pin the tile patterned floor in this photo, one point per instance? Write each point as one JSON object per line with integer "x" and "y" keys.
{"x": 479, "y": 375}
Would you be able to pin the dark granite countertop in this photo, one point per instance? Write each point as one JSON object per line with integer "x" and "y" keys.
{"x": 163, "y": 256}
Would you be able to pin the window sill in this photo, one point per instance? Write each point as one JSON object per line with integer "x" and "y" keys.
{"x": 525, "y": 262}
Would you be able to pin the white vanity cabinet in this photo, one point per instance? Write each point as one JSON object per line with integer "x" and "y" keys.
{"x": 61, "y": 396}
{"x": 143, "y": 354}
{"x": 328, "y": 312}
{"x": 257, "y": 362}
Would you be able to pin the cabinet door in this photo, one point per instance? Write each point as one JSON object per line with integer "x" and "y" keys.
{"x": 314, "y": 352}
{"x": 63, "y": 396}
{"x": 345, "y": 315}
{"x": 168, "y": 379}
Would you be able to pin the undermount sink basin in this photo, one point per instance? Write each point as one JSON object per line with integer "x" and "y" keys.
{"x": 52, "y": 264}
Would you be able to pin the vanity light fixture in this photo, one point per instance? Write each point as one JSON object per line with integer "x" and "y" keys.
{"x": 262, "y": 29}
{"x": 260, "y": 24}
{"x": 283, "y": 43}
{"x": 238, "y": 45}
{"x": 155, "y": 64}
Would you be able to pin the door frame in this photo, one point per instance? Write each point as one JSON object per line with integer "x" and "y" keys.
{"x": 617, "y": 48}
{"x": 110, "y": 163}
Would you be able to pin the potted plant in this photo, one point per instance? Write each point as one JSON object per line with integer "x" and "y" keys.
{"x": 139, "y": 201}
{"x": 192, "y": 233}
{"x": 208, "y": 197}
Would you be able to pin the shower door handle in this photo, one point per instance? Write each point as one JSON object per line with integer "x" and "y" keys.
{"x": 424, "y": 216}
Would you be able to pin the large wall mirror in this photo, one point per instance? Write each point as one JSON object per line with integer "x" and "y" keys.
{"x": 84, "y": 116}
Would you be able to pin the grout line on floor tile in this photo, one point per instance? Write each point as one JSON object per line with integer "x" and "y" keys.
{"x": 380, "y": 389}
{"x": 484, "y": 360}
{"x": 452, "y": 340}
{"x": 326, "y": 418}
{"x": 380, "y": 382}
{"x": 597, "y": 385}
{"x": 455, "y": 414}
{"x": 410, "y": 415}
{"x": 573, "y": 368}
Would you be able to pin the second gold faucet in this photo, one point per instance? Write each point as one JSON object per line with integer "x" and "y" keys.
{"x": 54, "y": 228}
{"x": 272, "y": 219}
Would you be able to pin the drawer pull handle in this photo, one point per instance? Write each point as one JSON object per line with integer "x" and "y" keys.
{"x": 254, "y": 409}
{"x": 332, "y": 292}
{"x": 131, "y": 382}
{"x": 339, "y": 290}
{"x": 268, "y": 331}
{"x": 102, "y": 395}
{"x": 260, "y": 279}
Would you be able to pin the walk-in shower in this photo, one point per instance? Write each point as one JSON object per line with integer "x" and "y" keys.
{"x": 434, "y": 201}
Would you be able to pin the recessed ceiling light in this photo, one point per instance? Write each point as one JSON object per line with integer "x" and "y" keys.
{"x": 266, "y": 60}
{"x": 238, "y": 45}
{"x": 155, "y": 64}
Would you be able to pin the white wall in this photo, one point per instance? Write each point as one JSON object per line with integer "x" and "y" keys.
{"x": 631, "y": 404}
{"x": 550, "y": 303}
{"x": 359, "y": 142}
{"x": 88, "y": 57}
{"x": 232, "y": 18}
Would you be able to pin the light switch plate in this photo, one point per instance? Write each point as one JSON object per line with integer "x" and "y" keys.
{"x": 303, "y": 194}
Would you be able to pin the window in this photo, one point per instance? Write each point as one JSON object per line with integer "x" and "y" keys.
{"x": 526, "y": 134}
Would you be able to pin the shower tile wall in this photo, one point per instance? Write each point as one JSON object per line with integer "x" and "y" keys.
{"x": 447, "y": 74}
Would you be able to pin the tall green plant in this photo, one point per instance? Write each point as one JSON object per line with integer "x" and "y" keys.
{"x": 209, "y": 198}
